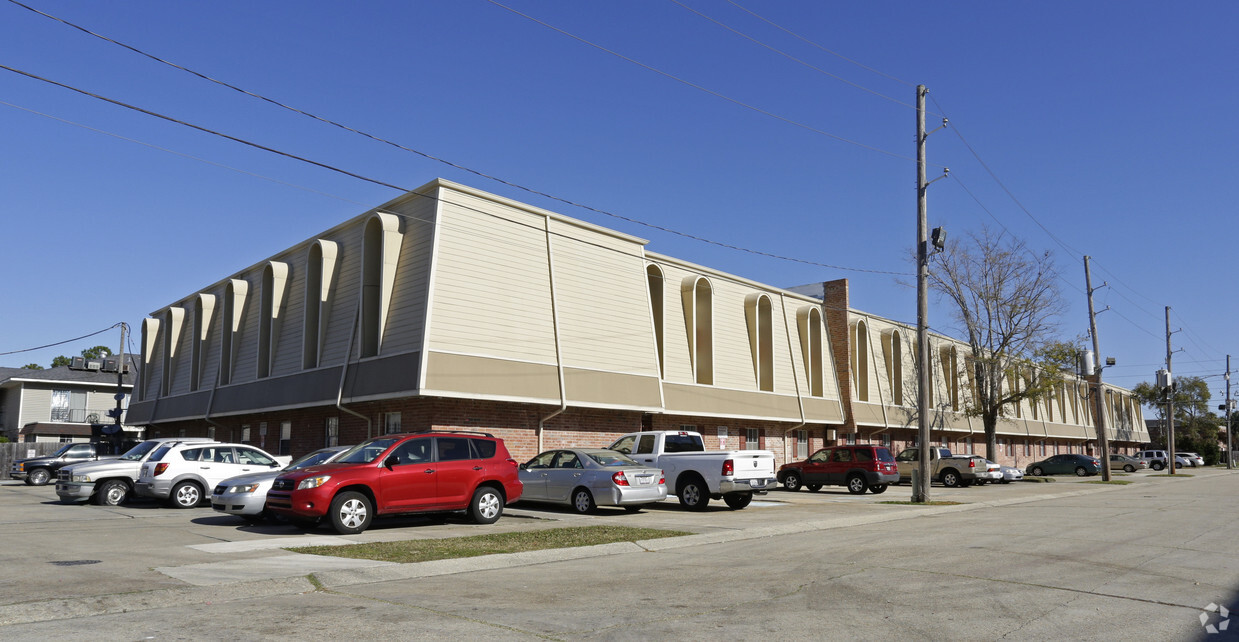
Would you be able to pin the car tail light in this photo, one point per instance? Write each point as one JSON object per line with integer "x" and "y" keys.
{"x": 620, "y": 479}
{"x": 662, "y": 477}
{"x": 513, "y": 462}
{"x": 972, "y": 463}
{"x": 159, "y": 468}
{"x": 729, "y": 468}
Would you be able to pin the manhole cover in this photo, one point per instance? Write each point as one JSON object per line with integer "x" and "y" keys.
{"x": 73, "y": 562}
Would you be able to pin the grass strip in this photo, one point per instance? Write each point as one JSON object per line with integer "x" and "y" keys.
{"x": 1120, "y": 482}
{"x": 912, "y": 503}
{"x": 425, "y": 550}
{"x": 1169, "y": 475}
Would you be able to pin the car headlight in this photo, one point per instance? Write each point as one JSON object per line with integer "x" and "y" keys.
{"x": 313, "y": 482}
{"x": 243, "y": 488}
{"x": 21, "y": 466}
{"x": 81, "y": 478}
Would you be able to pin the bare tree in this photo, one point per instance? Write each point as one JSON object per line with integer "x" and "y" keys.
{"x": 1006, "y": 301}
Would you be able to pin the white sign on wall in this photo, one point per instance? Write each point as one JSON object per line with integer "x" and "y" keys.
{"x": 722, "y": 436}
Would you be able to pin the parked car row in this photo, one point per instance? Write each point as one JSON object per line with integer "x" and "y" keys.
{"x": 441, "y": 471}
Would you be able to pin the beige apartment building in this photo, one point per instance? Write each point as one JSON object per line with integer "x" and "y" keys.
{"x": 449, "y": 307}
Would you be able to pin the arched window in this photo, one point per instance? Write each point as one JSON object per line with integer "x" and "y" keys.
{"x": 893, "y": 346}
{"x": 172, "y": 320}
{"x": 698, "y": 299}
{"x": 758, "y": 314}
{"x": 809, "y": 320}
{"x": 860, "y": 360}
{"x": 274, "y": 277}
{"x": 150, "y": 331}
{"x": 320, "y": 267}
{"x": 950, "y": 374}
{"x": 203, "y": 312}
{"x": 379, "y": 255}
{"x": 654, "y": 277}
{"x": 234, "y": 311}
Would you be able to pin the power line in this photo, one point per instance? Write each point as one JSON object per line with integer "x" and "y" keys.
{"x": 59, "y": 343}
{"x": 814, "y": 44}
{"x": 793, "y": 58}
{"x": 702, "y": 88}
{"x": 182, "y": 154}
{"x": 405, "y": 190}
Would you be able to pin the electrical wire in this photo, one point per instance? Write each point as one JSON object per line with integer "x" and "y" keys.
{"x": 183, "y": 155}
{"x": 814, "y": 44}
{"x": 405, "y": 190}
{"x": 59, "y": 343}
{"x": 793, "y": 58}
{"x": 702, "y": 88}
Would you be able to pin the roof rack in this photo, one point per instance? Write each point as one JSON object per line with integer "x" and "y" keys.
{"x": 461, "y": 432}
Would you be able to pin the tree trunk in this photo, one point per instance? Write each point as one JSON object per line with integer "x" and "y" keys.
{"x": 990, "y": 420}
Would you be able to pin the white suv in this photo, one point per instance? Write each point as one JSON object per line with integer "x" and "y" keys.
{"x": 183, "y": 474}
{"x": 1156, "y": 458}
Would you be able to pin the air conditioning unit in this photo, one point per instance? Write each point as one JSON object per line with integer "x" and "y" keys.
{"x": 77, "y": 363}
{"x": 94, "y": 364}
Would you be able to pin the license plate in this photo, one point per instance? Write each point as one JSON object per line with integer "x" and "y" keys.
{"x": 645, "y": 480}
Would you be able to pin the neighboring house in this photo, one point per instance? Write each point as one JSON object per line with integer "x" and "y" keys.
{"x": 449, "y": 307}
{"x": 57, "y": 404}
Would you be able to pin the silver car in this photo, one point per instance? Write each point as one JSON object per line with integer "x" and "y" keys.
{"x": 1011, "y": 473}
{"x": 585, "y": 478}
{"x": 246, "y": 495}
{"x": 1192, "y": 458}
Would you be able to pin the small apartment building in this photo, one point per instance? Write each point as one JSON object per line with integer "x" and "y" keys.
{"x": 57, "y": 404}
{"x": 453, "y": 308}
{"x": 877, "y": 361}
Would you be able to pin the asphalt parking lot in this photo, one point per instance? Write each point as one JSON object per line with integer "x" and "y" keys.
{"x": 84, "y": 561}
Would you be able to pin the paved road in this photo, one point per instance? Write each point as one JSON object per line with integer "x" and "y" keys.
{"x": 1024, "y": 561}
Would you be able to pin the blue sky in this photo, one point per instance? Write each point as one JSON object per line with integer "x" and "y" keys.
{"x": 1110, "y": 123}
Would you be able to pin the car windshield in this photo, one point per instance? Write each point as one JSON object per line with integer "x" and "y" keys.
{"x": 138, "y": 452}
{"x": 612, "y": 459}
{"x": 313, "y": 459}
{"x": 366, "y": 451}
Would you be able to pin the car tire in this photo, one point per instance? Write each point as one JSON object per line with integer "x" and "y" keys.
{"x": 487, "y": 505}
{"x": 186, "y": 494}
{"x": 1157, "y": 465}
{"x": 1081, "y": 472}
{"x": 1037, "y": 472}
{"x": 950, "y": 478}
{"x": 1129, "y": 468}
{"x": 791, "y": 481}
{"x": 583, "y": 501}
{"x": 38, "y": 477}
{"x": 878, "y": 489}
{"x": 693, "y": 494}
{"x": 351, "y": 513}
{"x": 813, "y": 488}
{"x": 112, "y": 492}
{"x": 737, "y": 501}
{"x": 856, "y": 484}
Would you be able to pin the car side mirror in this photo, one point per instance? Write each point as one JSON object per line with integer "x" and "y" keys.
{"x": 391, "y": 462}
{"x": 523, "y": 466}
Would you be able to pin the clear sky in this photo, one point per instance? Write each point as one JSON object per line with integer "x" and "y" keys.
{"x": 781, "y": 127}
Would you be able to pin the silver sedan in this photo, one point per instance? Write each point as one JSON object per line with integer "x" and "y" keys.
{"x": 585, "y": 478}
{"x": 246, "y": 495}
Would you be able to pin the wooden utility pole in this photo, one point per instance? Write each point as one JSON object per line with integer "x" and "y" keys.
{"x": 920, "y": 493}
{"x": 1103, "y": 440}
{"x": 1230, "y": 459}
{"x": 1169, "y": 401}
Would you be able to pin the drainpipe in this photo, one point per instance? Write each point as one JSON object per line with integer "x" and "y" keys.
{"x": 559, "y": 357}
{"x": 348, "y": 354}
{"x": 787, "y": 331}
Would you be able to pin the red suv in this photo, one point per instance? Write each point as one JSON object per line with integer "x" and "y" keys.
{"x": 860, "y": 468}
{"x": 398, "y": 474}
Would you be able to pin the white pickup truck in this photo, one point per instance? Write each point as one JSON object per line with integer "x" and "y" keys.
{"x": 697, "y": 476}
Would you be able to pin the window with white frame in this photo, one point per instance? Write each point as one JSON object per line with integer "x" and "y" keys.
{"x": 802, "y": 444}
{"x": 391, "y": 423}
{"x": 886, "y": 440}
{"x": 332, "y": 429}
{"x": 751, "y": 439}
{"x": 286, "y": 438}
{"x": 851, "y": 439}
{"x": 245, "y": 434}
{"x": 1043, "y": 449}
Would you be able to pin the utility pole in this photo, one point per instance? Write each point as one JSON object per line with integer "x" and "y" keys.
{"x": 1230, "y": 458}
{"x": 1169, "y": 401}
{"x": 1103, "y": 440}
{"x": 120, "y": 389}
{"x": 920, "y": 491}
{"x": 920, "y": 494}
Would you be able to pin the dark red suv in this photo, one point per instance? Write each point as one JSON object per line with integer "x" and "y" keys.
{"x": 398, "y": 474}
{"x": 860, "y": 468}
